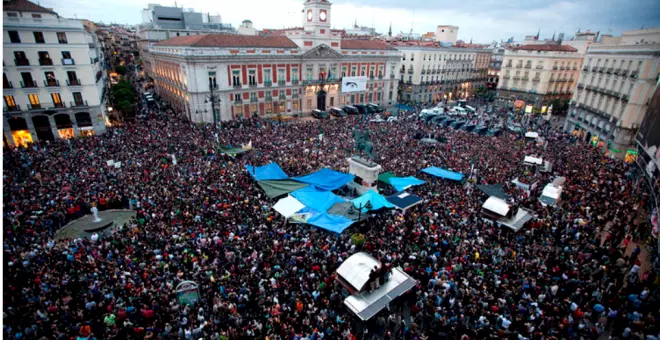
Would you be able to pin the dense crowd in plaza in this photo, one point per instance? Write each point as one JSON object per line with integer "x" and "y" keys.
{"x": 572, "y": 272}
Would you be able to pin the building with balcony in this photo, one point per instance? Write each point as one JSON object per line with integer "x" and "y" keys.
{"x": 162, "y": 22}
{"x": 534, "y": 76}
{"x": 53, "y": 79}
{"x": 292, "y": 72}
{"x": 494, "y": 67}
{"x": 613, "y": 92}
{"x": 432, "y": 74}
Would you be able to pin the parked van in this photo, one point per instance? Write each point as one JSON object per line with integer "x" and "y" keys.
{"x": 377, "y": 108}
{"x": 351, "y": 110}
{"x": 362, "y": 109}
{"x": 551, "y": 194}
{"x": 318, "y": 114}
{"x": 337, "y": 112}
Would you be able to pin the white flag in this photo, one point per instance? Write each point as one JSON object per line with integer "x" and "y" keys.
{"x": 320, "y": 137}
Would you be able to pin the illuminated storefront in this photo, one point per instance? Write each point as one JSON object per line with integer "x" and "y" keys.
{"x": 87, "y": 131}
{"x": 66, "y": 133}
{"x": 22, "y": 137}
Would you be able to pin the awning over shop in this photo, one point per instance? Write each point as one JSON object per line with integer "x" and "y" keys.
{"x": 334, "y": 223}
{"x": 316, "y": 199}
{"x": 377, "y": 201}
{"x": 443, "y": 173}
{"x": 326, "y": 179}
{"x": 266, "y": 172}
{"x": 275, "y": 188}
{"x": 385, "y": 177}
{"x": 496, "y": 190}
{"x": 288, "y": 206}
{"x": 403, "y": 183}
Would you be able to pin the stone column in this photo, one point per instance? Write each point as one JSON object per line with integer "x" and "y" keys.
{"x": 53, "y": 127}
{"x": 74, "y": 124}
{"x": 30, "y": 125}
{"x": 7, "y": 131}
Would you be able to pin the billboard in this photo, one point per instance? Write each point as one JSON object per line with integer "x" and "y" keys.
{"x": 353, "y": 84}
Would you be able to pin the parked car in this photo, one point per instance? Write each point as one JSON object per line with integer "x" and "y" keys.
{"x": 375, "y": 107}
{"x": 337, "y": 112}
{"x": 318, "y": 114}
{"x": 351, "y": 110}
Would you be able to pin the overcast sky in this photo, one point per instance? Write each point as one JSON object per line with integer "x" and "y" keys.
{"x": 481, "y": 20}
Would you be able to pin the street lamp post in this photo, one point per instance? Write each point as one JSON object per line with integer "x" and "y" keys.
{"x": 366, "y": 205}
{"x": 214, "y": 99}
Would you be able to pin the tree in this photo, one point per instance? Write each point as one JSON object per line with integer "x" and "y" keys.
{"x": 121, "y": 70}
{"x": 122, "y": 96}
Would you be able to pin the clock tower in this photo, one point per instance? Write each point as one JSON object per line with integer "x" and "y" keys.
{"x": 316, "y": 16}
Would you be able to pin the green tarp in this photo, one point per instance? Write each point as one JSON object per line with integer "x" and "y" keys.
{"x": 275, "y": 188}
{"x": 232, "y": 151}
{"x": 385, "y": 177}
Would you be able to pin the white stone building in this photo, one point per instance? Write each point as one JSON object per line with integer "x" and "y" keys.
{"x": 533, "y": 76}
{"x": 428, "y": 74}
{"x": 615, "y": 86}
{"x": 53, "y": 78}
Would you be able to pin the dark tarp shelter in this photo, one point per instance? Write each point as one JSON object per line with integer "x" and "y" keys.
{"x": 496, "y": 190}
{"x": 275, "y": 188}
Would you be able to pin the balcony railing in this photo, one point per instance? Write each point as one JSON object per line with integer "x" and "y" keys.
{"x": 29, "y": 84}
{"x": 539, "y": 67}
{"x": 13, "y": 108}
{"x": 281, "y": 82}
{"x": 528, "y": 66}
{"x": 78, "y": 103}
{"x": 423, "y": 71}
{"x": 634, "y": 74}
{"x": 617, "y": 71}
{"x": 575, "y": 68}
{"x": 268, "y": 83}
{"x": 50, "y": 83}
{"x": 624, "y": 73}
{"x": 594, "y": 69}
{"x": 580, "y": 86}
{"x": 524, "y": 78}
{"x": 237, "y": 85}
{"x": 585, "y": 68}
{"x": 253, "y": 84}
{"x": 536, "y": 79}
{"x": 295, "y": 82}
{"x": 609, "y": 70}
{"x": 402, "y": 70}
{"x": 554, "y": 68}
{"x": 37, "y": 106}
{"x": 410, "y": 71}
{"x": 392, "y": 76}
{"x": 561, "y": 68}
{"x": 68, "y": 61}
{"x": 73, "y": 82}
{"x": 253, "y": 99}
{"x": 22, "y": 62}
{"x": 45, "y": 62}
{"x": 59, "y": 105}
{"x": 625, "y": 97}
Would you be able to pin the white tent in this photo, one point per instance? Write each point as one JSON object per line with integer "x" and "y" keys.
{"x": 496, "y": 205}
{"x": 531, "y": 160}
{"x": 532, "y": 135}
{"x": 288, "y": 206}
{"x": 355, "y": 270}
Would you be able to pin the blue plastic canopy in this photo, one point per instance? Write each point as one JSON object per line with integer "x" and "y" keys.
{"x": 326, "y": 179}
{"x": 377, "y": 201}
{"x": 443, "y": 173}
{"x": 334, "y": 223}
{"x": 402, "y": 183}
{"x": 319, "y": 200}
{"x": 266, "y": 172}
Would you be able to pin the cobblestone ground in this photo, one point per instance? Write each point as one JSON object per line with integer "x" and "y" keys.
{"x": 76, "y": 229}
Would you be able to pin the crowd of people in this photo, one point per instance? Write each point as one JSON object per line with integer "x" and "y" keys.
{"x": 572, "y": 272}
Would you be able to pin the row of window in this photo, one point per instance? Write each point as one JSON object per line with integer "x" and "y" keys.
{"x": 563, "y": 65}
{"x": 21, "y": 59}
{"x": 28, "y": 81}
{"x": 615, "y": 85}
{"x": 439, "y": 56}
{"x": 36, "y": 103}
{"x": 614, "y": 63}
{"x": 15, "y": 38}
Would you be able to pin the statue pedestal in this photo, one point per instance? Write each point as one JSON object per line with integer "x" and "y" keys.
{"x": 365, "y": 169}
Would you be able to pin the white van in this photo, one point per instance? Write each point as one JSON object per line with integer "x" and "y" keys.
{"x": 470, "y": 108}
{"x": 551, "y": 194}
{"x": 460, "y": 111}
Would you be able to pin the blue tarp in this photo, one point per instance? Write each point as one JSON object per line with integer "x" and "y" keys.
{"x": 443, "y": 173}
{"x": 326, "y": 179}
{"x": 316, "y": 199}
{"x": 377, "y": 201}
{"x": 402, "y": 183}
{"x": 334, "y": 223}
{"x": 267, "y": 172}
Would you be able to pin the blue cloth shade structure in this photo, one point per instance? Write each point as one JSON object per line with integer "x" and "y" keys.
{"x": 334, "y": 223}
{"x": 443, "y": 173}
{"x": 267, "y": 172}
{"x": 402, "y": 183}
{"x": 326, "y": 179}
{"x": 377, "y": 201}
{"x": 316, "y": 199}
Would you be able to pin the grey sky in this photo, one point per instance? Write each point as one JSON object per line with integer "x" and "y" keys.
{"x": 481, "y": 20}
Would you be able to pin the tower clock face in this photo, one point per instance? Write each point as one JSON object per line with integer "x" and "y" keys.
{"x": 309, "y": 15}
{"x": 322, "y": 16}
